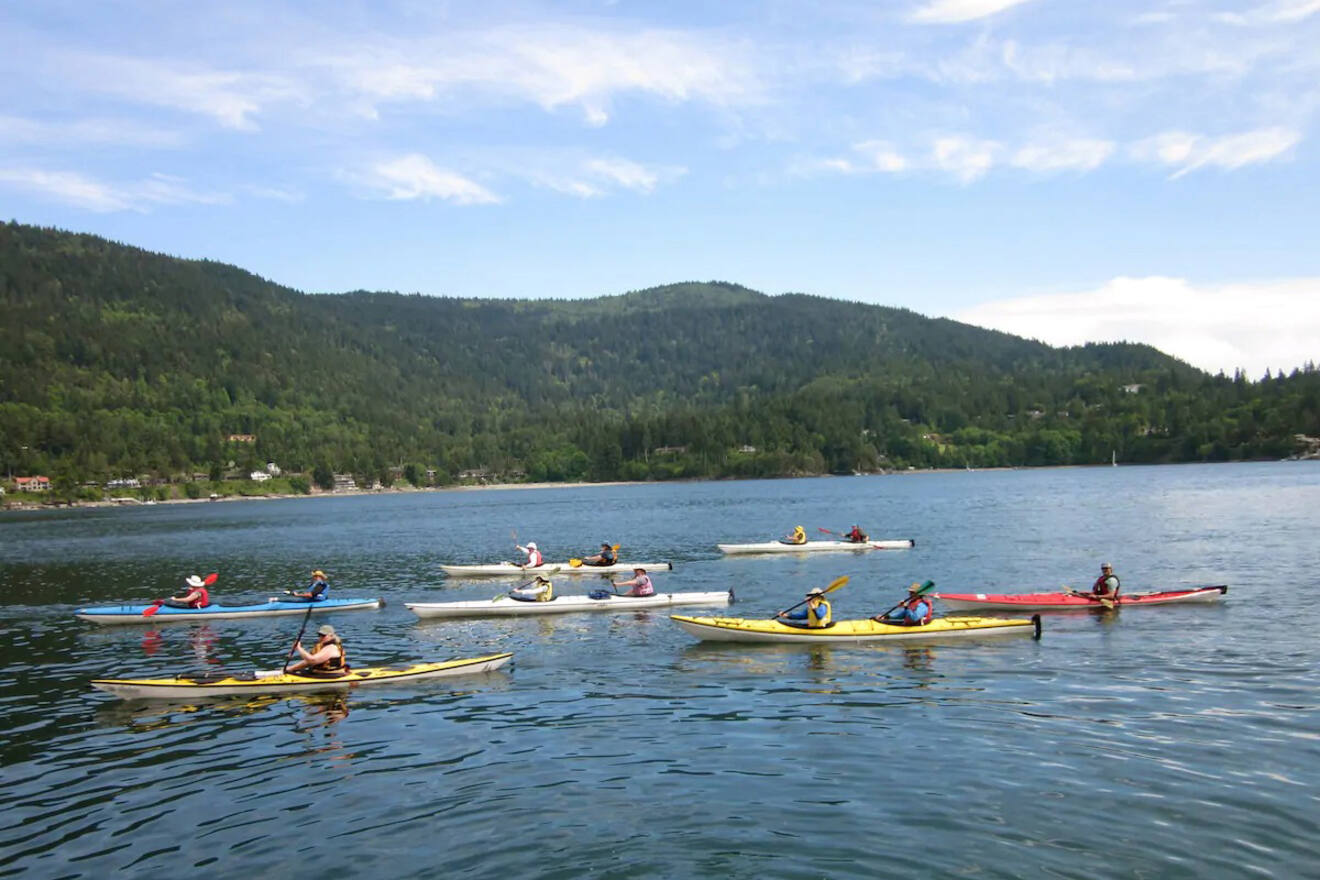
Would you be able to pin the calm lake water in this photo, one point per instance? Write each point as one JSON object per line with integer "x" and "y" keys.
{"x": 1157, "y": 742}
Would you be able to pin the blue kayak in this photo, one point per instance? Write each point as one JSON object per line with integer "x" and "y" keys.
{"x": 270, "y": 608}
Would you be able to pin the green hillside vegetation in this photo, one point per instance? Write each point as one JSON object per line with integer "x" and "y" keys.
{"x": 115, "y": 361}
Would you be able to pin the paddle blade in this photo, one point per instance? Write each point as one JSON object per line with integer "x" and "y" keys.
{"x": 150, "y": 610}
{"x": 925, "y": 588}
{"x": 575, "y": 563}
{"x": 211, "y": 578}
{"x": 614, "y": 547}
{"x": 823, "y": 529}
{"x": 838, "y": 582}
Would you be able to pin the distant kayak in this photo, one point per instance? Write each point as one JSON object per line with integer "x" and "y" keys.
{"x": 270, "y": 608}
{"x": 738, "y": 629}
{"x": 498, "y": 569}
{"x": 1070, "y": 602}
{"x": 504, "y": 606}
{"x": 814, "y": 546}
{"x": 275, "y": 681}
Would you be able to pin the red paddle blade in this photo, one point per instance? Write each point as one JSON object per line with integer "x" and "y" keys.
{"x": 150, "y": 610}
{"x": 211, "y": 578}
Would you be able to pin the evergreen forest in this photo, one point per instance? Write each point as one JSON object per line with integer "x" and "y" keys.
{"x": 116, "y": 362}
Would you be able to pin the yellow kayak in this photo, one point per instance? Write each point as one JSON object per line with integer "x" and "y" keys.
{"x": 740, "y": 629}
{"x": 189, "y": 688}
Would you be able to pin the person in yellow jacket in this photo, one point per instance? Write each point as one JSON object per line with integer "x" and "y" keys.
{"x": 816, "y": 612}
{"x": 539, "y": 590}
{"x": 799, "y": 536}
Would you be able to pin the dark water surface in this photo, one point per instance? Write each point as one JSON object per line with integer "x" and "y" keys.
{"x": 1157, "y": 742}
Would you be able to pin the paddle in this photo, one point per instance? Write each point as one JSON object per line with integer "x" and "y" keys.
{"x": 828, "y": 532}
{"x": 834, "y": 585}
{"x": 297, "y": 639}
{"x": 152, "y": 609}
{"x": 921, "y": 591}
{"x": 1106, "y": 602}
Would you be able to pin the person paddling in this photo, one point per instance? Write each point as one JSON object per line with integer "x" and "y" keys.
{"x": 326, "y": 656}
{"x": 799, "y": 536}
{"x": 606, "y": 556}
{"x": 915, "y": 610}
{"x": 816, "y": 612}
{"x": 316, "y": 590}
{"x": 640, "y": 583}
{"x": 857, "y": 536}
{"x": 534, "y": 557}
{"x": 539, "y": 590}
{"x": 192, "y": 594}
{"x": 1105, "y": 588}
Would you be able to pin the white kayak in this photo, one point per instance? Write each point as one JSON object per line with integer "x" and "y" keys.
{"x": 277, "y": 681}
{"x": 814, "y": 546}
{"x": 501, "y": 569}
{"x": 505, "y": 606}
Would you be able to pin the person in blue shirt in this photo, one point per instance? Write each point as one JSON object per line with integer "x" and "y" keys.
{"x": 917, "y": 610}
{"x": 316, "y": 590}
{"x": 816, "y": 612}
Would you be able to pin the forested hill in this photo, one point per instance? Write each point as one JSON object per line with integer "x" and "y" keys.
{"x": 115, "y": 362}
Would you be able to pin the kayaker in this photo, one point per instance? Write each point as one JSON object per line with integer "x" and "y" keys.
{"x": 640, "y": 583}
{"x": 916, "y": 610}
{"x": 327, "y": 656}
{"x": 799, "y": 536}
{"x": 539, "y": 590}
{"x": 534, "y": 557}
{"x": 857, "y": 536}
{"x": 816, "y": 612}
{"x": 604, "y": 557}
{"x": 1107, "y": 584}
{"x": 316, "y": 590}
{"x": 192, "y": 594}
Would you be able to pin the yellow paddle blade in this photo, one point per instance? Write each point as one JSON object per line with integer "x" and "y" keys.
{"x": 836, "y": 583}
{"x": 615, "y": 547}
{"x": 574, "y": 563}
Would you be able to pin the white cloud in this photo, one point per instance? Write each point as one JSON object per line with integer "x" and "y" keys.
{"x": 965, "y": 158}
{"x": 99, "y": 197}
{"x": 78, "y": 132}
{"x": 1188, "y": 152}
{"x": 1278, "y": 12}
{"x": 596, "y": 177}
{"x": 957, "y": 11}
{"x": 882, "y": 156}
{"x": 1254, "y": 326}
{"x": 414, "y": 176}
{"x": 626, "y": 174}
{"x": 1079, "y": 154}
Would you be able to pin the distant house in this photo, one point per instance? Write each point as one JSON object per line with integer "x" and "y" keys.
{"x": 32, "y": 484}
{"x": 474, "y": 474}
{"x": 344, "y": 482}
{"x": 273, "y": 469}
{"x": 1132, "y": 389}
{"x": 242, "y": 438}
{"x": 669, "y": 450}
{"x": 259, "y": 476}
{"x": 747, "y": 448}
{"x": 124, "y": 483}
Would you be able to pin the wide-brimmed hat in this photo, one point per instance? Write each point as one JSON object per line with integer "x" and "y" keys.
{"x": 639, "y": 568}
{"x": 915, "y": 588}
{"x": 325, "y": 630}
{"x": 531, "y": 545}
{"x": 543, "y": 579}
{"x": 815, "y": 591}
{"x": 194, "y": 581}
{"x": 318, "y": 574}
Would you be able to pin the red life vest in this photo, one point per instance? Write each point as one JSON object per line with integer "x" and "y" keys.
{"x": 202, "y": 600}
{"x": 1101, "y": 588}
{"x": 911, "y": 605}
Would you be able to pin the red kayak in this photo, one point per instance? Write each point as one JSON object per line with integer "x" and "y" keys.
{"x": 1071, "y": 601}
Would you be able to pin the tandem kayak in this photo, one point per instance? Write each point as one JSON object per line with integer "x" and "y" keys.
{"x": 498, "y": 569}
{"x": 814, "y": 546}
{"x": 275, "y": 681}
{"x": 504, "y": 606}
{"x": 271, "y": 607}
{"x": 738, "y": 629}
{"x": 1071, "y": 602}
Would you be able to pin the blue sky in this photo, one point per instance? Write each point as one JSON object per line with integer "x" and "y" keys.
{"x": 1063, "y": 170}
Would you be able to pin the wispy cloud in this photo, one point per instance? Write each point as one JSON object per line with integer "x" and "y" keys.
{"x": 1078, "y": 154}
{"x": 958, "y": 11}
{"x": 1278, "y": 12}
{"x": 63, "y": 133}
{"x": 1253, "y": 326}
{"x": 593, "y": 177}
{"x": 415, "y": 176}
{"x": 964, "y": 157}
{"x": 87, "y": 193}
{"x": 1189, "y": 152}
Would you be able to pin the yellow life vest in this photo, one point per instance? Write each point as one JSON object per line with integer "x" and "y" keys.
{"x": 819, "y": 616}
